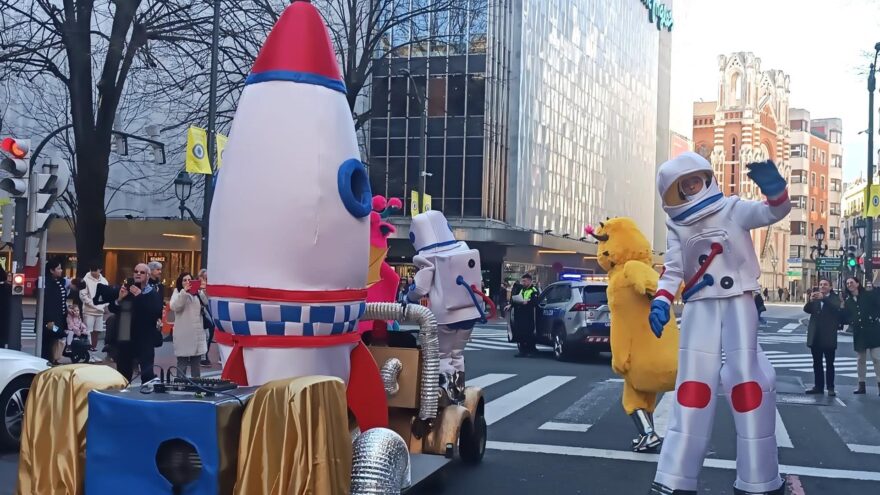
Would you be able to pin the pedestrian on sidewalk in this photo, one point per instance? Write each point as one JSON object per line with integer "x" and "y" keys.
{"x": 207, "y": 319}
{"x": 139, "y": 309}
{"x": 190, "y": 338}
{"x": 780, "y": 291}
{"x": 54, "y": 312}
{"x": 766, "y": 294}
{"x": 824, "y": 310}
{"x": 760, "y": 306}
{"x": 862, "y": 312}
{"x": 93, "y": 314}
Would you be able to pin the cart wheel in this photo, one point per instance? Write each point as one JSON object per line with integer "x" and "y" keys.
{"x": 472, "y": 439}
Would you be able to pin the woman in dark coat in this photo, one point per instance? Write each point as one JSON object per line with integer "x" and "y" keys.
{"x": 824, "y": 310}
{"x": 862, "y": 312}
{"x": 54, "y": 312}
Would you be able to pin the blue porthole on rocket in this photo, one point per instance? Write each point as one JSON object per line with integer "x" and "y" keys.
{"x": 354, "y": 188}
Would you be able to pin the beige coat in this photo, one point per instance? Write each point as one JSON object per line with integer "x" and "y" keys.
{"x": 190, "y": 338}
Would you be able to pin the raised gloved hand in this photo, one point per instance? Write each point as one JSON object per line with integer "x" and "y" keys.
{"x": 659, "y": 316}
{"x": 767, "y": 177}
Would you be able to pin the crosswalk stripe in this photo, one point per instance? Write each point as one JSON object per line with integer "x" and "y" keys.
{"x": 480, "y": 345}
{"x": 572, "y": 427}
{"x": 789, "y": 328}
{"x": 488, "y": 380}
{"x": 864, "y": 449}
{"x": 506, "y": 405}
{"x": 856, "y": 375}
{"x": 856, "y": 432}
{"x": 782, "y": 437}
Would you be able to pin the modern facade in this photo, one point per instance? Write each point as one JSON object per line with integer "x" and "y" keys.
{"x": 816, "y": 189}
{"x": 543, "y": 117}
{"x": 748, "y": 123}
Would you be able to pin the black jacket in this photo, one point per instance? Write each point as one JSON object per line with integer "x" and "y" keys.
{"x": 524, "y": 314}
{"x": 825, "y": 318}
{"x": 863, "y": 316}
{"x": 55, "y": 302}
{"x": 145, "y": 310}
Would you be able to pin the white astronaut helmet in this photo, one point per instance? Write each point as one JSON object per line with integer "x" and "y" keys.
{"x": 688, "y": 188}
{"x": 430, "y": 232}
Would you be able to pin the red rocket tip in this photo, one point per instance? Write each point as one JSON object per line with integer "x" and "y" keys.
{"x": 298, "y": 49}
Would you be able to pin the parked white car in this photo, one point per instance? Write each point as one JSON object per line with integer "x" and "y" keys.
{"x": 17, "y": 371}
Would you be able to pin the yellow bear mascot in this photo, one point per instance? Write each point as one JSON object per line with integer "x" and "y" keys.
{"x": 647, "y": 364}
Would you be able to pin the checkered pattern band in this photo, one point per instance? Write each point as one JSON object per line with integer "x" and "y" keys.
{"x": 254, "y": 318}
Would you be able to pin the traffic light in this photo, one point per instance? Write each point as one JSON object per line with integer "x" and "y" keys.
{"x": 18, "y": 284}
{"x": 16, "y": 164}
{"x": 43, "y": 193}
{"x": 851, "y": 260}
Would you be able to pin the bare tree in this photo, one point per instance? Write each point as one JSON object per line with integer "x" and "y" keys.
{"x": 93, "y": 48}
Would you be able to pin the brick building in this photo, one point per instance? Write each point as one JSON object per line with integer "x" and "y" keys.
{"x": 749, "y": 122}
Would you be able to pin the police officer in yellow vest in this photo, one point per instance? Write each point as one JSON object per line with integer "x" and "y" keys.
{"x": 524, "y": 300}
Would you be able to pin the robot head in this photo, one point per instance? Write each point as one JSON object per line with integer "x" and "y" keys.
{"x": 687, "y": 186}
{"x": 430, "y": 231}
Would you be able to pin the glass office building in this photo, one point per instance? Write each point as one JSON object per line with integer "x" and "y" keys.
{"x": 543, "y": 116}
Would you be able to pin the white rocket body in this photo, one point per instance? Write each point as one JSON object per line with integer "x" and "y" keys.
{"x": 280, "y": 224}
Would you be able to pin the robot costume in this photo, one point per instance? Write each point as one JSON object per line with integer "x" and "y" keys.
{"x": 710, "y": 248}
{"x": 449, "y": 274}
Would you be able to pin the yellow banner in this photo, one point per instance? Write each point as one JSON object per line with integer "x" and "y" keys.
{"x": 872, "y": 202}
{"x": 221, "y": 145}
{"x": 197, "y": 151}
{"x": 414, "y": 203}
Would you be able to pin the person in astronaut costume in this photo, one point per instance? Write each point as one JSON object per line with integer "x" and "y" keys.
{"x": 449, "y": 272}
{"x": 709, "y": 247}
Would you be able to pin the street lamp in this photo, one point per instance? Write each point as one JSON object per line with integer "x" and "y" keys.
{"x": 182, "y": 190}
{"x": 860, "y": 228}
{"x": 819, "y": 249}
{"x": 872, "y": 84}
{"x": 423, "y": 132}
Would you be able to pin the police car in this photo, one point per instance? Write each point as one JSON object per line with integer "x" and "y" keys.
{"x": 572, "y": 317}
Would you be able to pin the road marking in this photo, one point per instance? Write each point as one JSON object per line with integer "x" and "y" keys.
{"x": 864, "y": 449}
{"x": 789, "y": 328}
{"x": 488, "y": 380}
{"x": 782, "y": 438}
{"x": 840, "y": 401}
{"x": 575, "y": 427}
{"x": 479, "y": 345}
{"x": 661, "y": 414}
{"x": 626, "y": 455}
{"x": 506, "y": 405}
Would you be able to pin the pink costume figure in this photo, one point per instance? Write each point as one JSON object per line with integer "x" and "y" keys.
{"x": 709, "y": 247}
{"x": 289, "y": 243}
{"x": 382, "y": 281}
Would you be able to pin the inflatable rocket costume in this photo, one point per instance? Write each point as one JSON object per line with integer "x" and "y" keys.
{"x": 449, "y": 274}
{"x": 290, "y": 224}
{"x": 709, "y": 248}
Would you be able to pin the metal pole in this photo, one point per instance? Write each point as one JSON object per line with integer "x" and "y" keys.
{"x": 41, "y": 285}
{"x": 869, "y": 237}
{"x": 212, "y": 133}
{"x": 18, "y": 261}
{"x": 423, "y": 142}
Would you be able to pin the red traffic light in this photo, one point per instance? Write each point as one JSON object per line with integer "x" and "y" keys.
{"x": 18, "y": 279}
{"x": 15, "y": 148}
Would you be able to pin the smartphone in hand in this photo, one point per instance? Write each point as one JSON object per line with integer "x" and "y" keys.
{"x": 194, "y": 286}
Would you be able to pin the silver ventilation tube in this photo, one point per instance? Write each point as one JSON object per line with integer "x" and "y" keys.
{"x": 381, "y": 463}
{"x": 429, "y": 400}
{"x": 389, "y": 372}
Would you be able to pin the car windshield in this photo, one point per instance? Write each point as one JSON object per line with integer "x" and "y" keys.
{"x": 594, "y": 295}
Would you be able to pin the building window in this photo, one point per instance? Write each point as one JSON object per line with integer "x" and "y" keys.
{"x": 835, "y": 185}
{"x": 836, "y": 161}
{"x": 799, "y": 202}
{"x": 821, "y": 206}
{"x": 733, "y": 148}
{"x": 822, "y": 158}
{"x": 822, "y": 182}
{"x": 798, "y": 150}
{"x": 813, "y": 179}
{"x": 798, "y": 176}
{"x": 812, "y": 207}
{"x": 834, "y": 233}
{"x": 811, "y": 230}
{"x": 813, "y": 154}
{"x": 798, "y": 228}
{"x": 834, "y": 136}
{"x": 834, "y": 209}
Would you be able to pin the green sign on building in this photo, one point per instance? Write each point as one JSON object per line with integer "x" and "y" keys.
{"x": 659, "y": 13}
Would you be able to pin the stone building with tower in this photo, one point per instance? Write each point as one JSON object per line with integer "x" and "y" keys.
{"x": 749, "y": 122}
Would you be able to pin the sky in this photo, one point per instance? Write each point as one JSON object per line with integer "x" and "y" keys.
{"x": 820, "y": 44}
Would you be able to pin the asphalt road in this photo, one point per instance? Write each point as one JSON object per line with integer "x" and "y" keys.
{"x": 558, "y": 427}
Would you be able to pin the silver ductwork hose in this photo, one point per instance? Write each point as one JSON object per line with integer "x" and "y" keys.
{"x": 389, "y": 372}
{"x": 414, "y": 313}
{"x": 381, "y": 463}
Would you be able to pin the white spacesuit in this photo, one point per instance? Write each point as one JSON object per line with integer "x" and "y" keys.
{"x": 448, "y": 271}
{"x": 710, "y": 249}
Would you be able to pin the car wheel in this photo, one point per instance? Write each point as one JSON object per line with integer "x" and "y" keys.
{"x": 560, "y": 348}
{"x": 12, "y": 402}
{"x": 472, "y": 439}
